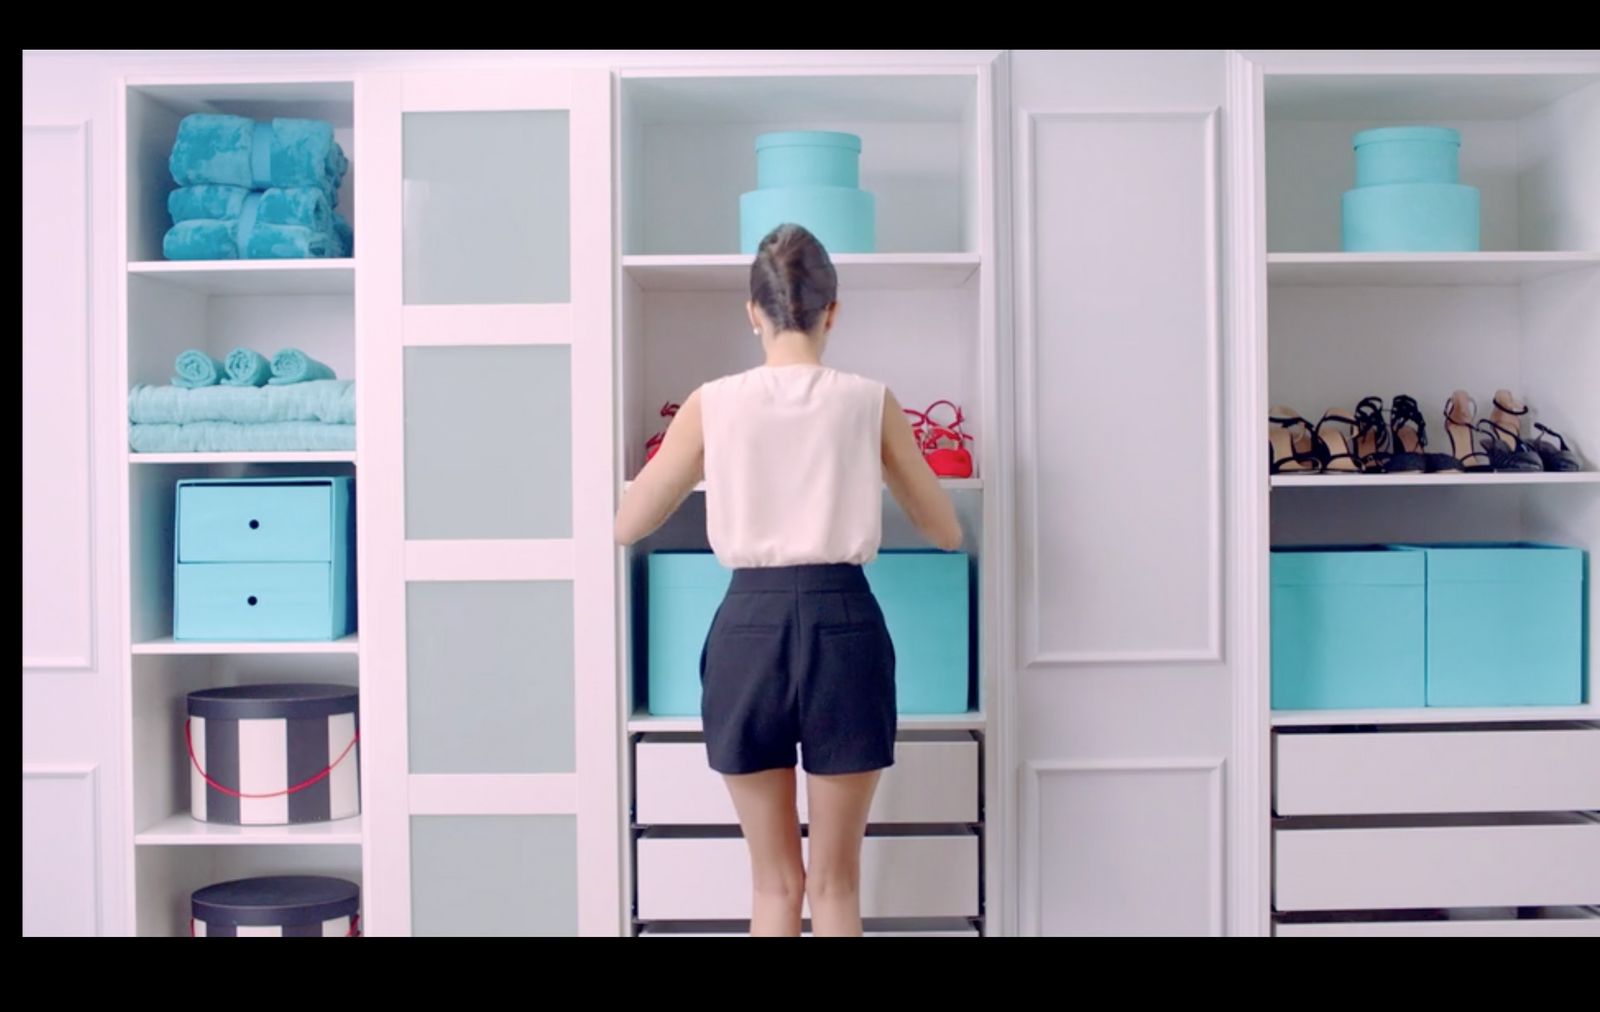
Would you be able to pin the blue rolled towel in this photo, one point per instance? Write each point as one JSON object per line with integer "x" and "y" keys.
{"x": 196, "y": 369}
{"x": 290, "y": 242}
{"x": 206, "y": 201}
{"x": 235, "y": 151}
{"x": 346, "y": 234}
{"x": 246, "y": 368}
{"x": 202, "y": 240}
{"x": 296, "y": 205}
{"x": 291, "y": 365}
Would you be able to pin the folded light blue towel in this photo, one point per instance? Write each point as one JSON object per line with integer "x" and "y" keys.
{"x": 250, "y": 236}
{"x": 306, "y": 206}
{"x": 235, "y": 151}
{"x": 232, "y": 437}
{"x": 196, "y": 369}
{"x": 206, "y": 201}
{"x": 246, "y": 368}
{"x": 291, "y": 365}
{"x": 290, "y": 242}
{"x": 332, "y": 401}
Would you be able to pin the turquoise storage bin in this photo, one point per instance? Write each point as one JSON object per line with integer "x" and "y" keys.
{"x": 1348, "y": 628}
{"x": 808, "y": 158}
{"x": 1505, "y": 625}
{"x": 810, "y": 178}
{"x": 264, "y": 559}
{"x": 1407, "y": 155}
{"x": 1410, "y": 218}
{"x": 926, "y": 602}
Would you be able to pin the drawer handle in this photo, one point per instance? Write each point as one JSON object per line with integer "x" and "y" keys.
{"x": 254, "y": 524}
{"x": 188, "y": 739}
{"x": 251, "y": 600}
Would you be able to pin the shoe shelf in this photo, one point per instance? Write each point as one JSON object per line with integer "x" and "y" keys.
{"x": 1433, "y": 480}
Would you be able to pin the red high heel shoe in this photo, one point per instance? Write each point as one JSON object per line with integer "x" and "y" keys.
{"x": 935, "y": 438}
{"x": 668, "y": 411}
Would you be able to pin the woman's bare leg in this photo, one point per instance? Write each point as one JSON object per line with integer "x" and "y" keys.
{"x": 838, "y": 811}
{"x": 766, "y": 806}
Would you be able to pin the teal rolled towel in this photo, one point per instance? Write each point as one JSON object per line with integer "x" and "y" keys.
{"x": 194, "y": 203}
{"x": 196, "y": 369}
{"x": 296, "y": 205}
{"x": 291, "y": 365}
{"x": 235, "y": 151}
{"x": 205, "y": 239}
{"x": 290, "y": 242}
{"x": 246, "y": 368}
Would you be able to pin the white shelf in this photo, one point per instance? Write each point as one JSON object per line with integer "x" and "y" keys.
{"x": 857, "y": 271}
{"x": 1411, "y": 269}
{"x": 973, "y": 720}
{"x": 949, "y": 484}
{"x": 1448, "y": 478}
{"x": 333, "y": 276}
{"x": 167, "y": 645}
{"x": 306, "y": 457}
{"x": 182, "y": 830}
{"x": 1435, "y": 715}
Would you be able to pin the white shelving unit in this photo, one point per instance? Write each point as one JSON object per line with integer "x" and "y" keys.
{"x": 1523, "y": 314}
{"x": 918, "y": 314}
{"x": 215, "y": 306}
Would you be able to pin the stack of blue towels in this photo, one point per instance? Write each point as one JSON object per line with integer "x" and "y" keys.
{"x": 244, "y": 404}
{"x": 250, "y": 190}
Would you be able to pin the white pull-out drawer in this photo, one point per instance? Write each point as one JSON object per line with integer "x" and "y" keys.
{"x": 1418, "y": 772}
{"x": 1436, "y": 862}
{"x": 688, "y": 879}
{"x": 934, "y": 779}
{"x": 1569, "y": 922}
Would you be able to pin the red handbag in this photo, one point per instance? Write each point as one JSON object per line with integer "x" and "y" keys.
{"x": 943, "y": 444}
{"x": 668, "y": 410}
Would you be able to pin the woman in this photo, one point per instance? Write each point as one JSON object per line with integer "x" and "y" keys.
{"x": 795, "y": 456}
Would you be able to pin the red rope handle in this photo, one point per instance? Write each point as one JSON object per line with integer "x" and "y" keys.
{"x": 354, "y": 932}
{"x": 188, "y": 739}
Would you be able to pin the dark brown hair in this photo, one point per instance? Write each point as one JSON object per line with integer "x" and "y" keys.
{"x": 792, "y": 279}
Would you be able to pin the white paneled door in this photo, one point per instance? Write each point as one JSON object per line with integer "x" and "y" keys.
{"x": 486, "y": 491}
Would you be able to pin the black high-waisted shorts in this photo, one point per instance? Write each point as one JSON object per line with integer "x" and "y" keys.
{"x": 798, "y": 655}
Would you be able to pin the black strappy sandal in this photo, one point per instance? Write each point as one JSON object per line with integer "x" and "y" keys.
{"x": 1338, "y": 447}
{"x": 1290, "y": 451}
{"x": 1410, "y": 441}
{"x": 1515, "y": 456}
{"x": 1554, "y": 458}
{"x": 1460, "y": 413}
{"x": 1372, "y": 435}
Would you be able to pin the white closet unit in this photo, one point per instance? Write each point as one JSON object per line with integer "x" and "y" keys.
{"x": 165, "y": 308}
{"x": 1394, "y": 821}
{"x": 919, "y": 314}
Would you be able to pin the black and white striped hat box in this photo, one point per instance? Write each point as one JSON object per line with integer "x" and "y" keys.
{"x": 281, "y": 906}
{"x": 256, "y": 752}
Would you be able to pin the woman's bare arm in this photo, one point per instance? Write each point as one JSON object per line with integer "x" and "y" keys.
{"x": 667, "y": 479}
{"x": 912, "y": 482}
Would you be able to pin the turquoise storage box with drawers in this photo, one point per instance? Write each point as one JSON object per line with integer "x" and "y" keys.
{"x": 1505, "y": 625}
{"x": 926, "y": 602}
{"x": 1348, "y": 628}
{"x": 264, "y": 559}
{"x": 810, "y": 178}
{"x": 1408, "y": 195}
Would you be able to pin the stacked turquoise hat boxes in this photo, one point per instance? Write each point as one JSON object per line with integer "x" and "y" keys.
{"x": 1408, "y": 196}
{"x": 264, "y": 559}
{"x": 1348, "y": 628}
{"x": 1505, "y": 624}
{"x": 926, "y": 603}
{"x": 810, "y": 178}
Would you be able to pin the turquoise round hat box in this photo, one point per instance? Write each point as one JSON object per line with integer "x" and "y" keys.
{"x": 810, "y": 178}
{"x": 1408, "y": 196}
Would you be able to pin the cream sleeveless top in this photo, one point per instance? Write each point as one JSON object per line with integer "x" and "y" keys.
{"x": 794, "y": 466}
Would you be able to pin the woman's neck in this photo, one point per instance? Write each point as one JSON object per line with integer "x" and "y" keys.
{"x": 791, "y": 347}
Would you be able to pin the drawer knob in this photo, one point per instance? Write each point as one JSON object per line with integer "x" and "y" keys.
{"x": 254, "y": 524}
{"x": 251, "y": 600}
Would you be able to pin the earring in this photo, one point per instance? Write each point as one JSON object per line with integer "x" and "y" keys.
{"x": 756, "y": 331}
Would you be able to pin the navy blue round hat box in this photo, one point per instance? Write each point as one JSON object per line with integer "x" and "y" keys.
{"x": 273, "y": 755}
{"x": 279, "y": 906}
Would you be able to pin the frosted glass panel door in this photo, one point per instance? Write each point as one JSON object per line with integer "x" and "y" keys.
{"x": 488, "y": 482}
